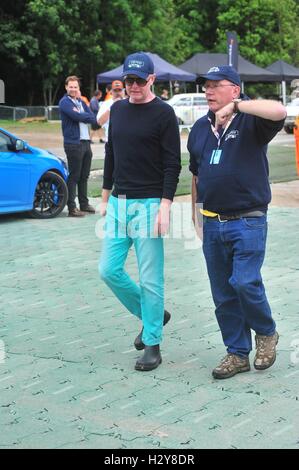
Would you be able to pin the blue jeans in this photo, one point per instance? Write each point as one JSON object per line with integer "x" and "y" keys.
{"x": 234, "y": 253}
{"x": 131, "y": 222}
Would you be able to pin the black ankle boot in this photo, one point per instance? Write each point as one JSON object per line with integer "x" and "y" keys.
{"x": 138, "y": 343}
{"x": 151, "y": 358}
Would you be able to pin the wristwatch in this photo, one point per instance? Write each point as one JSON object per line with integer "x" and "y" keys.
{"x": 236, "y": 102}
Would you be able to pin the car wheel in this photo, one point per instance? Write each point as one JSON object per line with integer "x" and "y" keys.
{"x": 50, "y": 196}
{"x": 288, "y": 129}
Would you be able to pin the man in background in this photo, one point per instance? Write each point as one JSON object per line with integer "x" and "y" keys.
{"x": 95, "y": 104}
{"x": 104, "y": 111}
{"x": 164, "y": 95}
{"x": 75, "y": 117}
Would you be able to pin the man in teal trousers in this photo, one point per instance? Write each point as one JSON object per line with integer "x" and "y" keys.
{"x": 142, "y": 165}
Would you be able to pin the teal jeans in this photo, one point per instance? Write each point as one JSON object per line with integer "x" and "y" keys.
{"x": 131, "y": 222}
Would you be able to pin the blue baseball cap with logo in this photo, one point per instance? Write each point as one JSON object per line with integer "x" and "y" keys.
{"x": 139, "y": 64}
{"x": 223, "y": 72}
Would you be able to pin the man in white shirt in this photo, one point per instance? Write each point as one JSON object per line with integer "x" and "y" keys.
{"x": 104, "y": 111}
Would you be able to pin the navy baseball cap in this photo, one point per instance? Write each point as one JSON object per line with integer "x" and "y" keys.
{"x": 223, "y": 72}
{"x": 139, "y": 64}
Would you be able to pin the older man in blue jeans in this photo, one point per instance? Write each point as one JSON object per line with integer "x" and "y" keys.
{"x": 230, "y": 180}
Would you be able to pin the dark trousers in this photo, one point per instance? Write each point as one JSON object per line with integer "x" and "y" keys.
{"x": 79, "y": 162}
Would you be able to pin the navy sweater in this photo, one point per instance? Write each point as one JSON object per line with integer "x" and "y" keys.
{"x": 143, "y": 150}
{"x": 70, "y": 119}
{"x": 239, "y": 181}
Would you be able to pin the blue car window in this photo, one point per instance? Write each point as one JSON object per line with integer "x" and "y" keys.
{"x": 5, "y": 143}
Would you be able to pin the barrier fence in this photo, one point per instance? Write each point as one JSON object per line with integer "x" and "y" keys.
{"x": 15, "y": 113}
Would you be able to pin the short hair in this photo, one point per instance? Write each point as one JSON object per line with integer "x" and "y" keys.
{"x": 72, "y": 78}
{"x": 97, "y": 92}
{"x": 109, "y": 86}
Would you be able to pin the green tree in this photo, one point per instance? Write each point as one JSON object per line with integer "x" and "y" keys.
{"x": 130, "y": 25}
{"x": 197, "y": 20}
{"x": 43, "y": 41}
{"x": 68, "y": 41}
{"x": 59, "y": 39}
{"x": 267, "y": 29}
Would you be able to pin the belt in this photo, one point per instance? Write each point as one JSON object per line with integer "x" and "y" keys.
{"x": 226, "y": 218}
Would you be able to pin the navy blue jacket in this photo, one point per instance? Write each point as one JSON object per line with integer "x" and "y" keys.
{"x": 239, "y": 180}
{"x": 70, "y": 119}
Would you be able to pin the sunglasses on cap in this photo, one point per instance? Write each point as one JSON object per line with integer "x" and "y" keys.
{"x": 139, "y": 81}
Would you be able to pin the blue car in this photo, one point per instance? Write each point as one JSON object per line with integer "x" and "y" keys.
{"x": 31, "y": 179}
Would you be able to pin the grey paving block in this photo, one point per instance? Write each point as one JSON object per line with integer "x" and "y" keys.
{"x": 67, "y": 377}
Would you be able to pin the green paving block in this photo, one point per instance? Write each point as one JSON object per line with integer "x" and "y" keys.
{"x": 68, "y": 378}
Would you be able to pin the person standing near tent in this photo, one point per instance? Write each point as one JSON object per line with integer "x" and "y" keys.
{"x": 95, "y": 104}
{"x": 104, "y": 111}
{"x": 230, "y": 179}
{"x": 164, "y": 95}
{"x": 142, "y": 164}
{"x": 108, "y": 94}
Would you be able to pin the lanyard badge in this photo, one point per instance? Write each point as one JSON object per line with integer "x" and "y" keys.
{"x": 215, "y": 157}
{"x": 216, "y": 154}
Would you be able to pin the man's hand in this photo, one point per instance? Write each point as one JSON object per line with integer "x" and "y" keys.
{"x": 224, "y": 115}
{"x": 197, "y": 222}
{"x": 163, "y": 218}
{"x": 104, "y": 118}
{"x": 103, "y": 209}
{"x": 104, "y": 202}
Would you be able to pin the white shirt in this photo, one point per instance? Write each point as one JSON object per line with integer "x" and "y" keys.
{"x": 104, "y": 107}
{"x": 84, "y": 129}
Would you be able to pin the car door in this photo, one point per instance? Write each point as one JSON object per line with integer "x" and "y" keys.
{"x": 14, "y": 175}
{"x": 200, "y": 107}
{"x": 183, "y": 110}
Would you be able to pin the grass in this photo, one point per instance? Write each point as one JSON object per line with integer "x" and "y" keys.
{"x": 281, "y": 164}
{"x": 281, "y": 157}
{"x": 36, "y": 126}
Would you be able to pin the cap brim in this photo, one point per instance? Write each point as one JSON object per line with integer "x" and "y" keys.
{"x": 213, "y": 76}
{"x": 217, "y": 76}
{"x": 137, "y": 72}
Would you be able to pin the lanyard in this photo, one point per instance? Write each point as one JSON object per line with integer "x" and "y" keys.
{"x": 216, "y": 133}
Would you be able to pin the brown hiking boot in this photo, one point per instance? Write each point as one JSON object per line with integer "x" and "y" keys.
{"x": 230, "y": 366}
{"x": 265, "y": 351}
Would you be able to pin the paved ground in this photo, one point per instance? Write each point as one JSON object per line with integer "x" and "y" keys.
{"x": 67, "y": 377}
